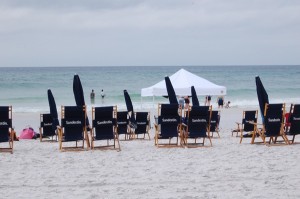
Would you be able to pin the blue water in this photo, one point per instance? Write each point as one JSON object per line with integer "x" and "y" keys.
{"x": 26, "y": 88}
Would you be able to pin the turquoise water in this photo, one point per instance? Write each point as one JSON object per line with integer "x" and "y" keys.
{"x": 26, "y": 88}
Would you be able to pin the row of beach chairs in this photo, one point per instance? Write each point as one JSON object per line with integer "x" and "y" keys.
{"x": 276, "y": 123}
{"x": 107, "y": 125}
{"x": 196, "y": 123}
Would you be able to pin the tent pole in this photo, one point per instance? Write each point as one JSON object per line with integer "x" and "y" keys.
{"x": 153, "y": 101}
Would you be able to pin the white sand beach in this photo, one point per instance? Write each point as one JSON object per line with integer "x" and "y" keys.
{"x": 140, "y": 170}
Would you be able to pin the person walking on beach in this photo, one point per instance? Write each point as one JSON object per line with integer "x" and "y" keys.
{"x": 220, "y": 101}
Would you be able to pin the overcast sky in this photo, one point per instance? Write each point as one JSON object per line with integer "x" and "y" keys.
{"x": 152, "y": 32}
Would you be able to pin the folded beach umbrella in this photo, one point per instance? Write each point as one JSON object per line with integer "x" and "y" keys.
{"x": 171, "y": 91}
{"x": 129, "y": 108}
{"x": 53, "y": 110}
{"x": 194, "y": 97}
{"x": 261, "y": 95}
{"x": 78, "y": 94}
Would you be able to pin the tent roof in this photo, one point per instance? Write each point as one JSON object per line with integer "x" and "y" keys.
{"x": 182, "y": 82}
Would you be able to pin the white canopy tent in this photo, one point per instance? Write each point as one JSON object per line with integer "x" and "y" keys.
{"x": 182, "y": 82}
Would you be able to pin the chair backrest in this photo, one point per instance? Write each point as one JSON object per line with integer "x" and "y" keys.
{"x": 198, "y": 120}
{"x": 142, "y": 121}
{"x": 5, "y": 122}
{"x": 273, "y": 119}
{"x": 122, "y": 122}
{"x": 294, "y": 119}
{"x": 214, "y": 121}
{"x": 73, "y": 122}
{"x": 46, "y": 123}
{"x": 104, "y": 122}
{"x": 169, "y": 120}
{"x": 249, "y": 116}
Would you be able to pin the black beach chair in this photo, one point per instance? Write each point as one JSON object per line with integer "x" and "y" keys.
{"x": 294, "y": 119}
{"x": 214, "y": 123}
{"x": 168, "y": 126}
{"x": 105, "y": 127}
{"x": 198, "y": 118}
{"x": 273, "y": 126}
{"x": 6, "y": 131}
{"x": 46, "y": 128}
{"x": 246, "y": 128}
{"x": 142, "y": 124}
{"x": 73, "y": 127}
{"x": 123, "y": 124}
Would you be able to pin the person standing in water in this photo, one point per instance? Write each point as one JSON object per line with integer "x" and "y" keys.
{"x": 220, "y": 101}
{"x": 92, "y": 95}
{"x": 102, "y": 95}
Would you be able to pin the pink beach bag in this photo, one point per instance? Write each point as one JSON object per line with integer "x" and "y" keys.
{"x": 27, "y": 133}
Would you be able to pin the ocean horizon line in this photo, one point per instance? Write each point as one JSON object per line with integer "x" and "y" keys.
{"x": 213, "y": 65}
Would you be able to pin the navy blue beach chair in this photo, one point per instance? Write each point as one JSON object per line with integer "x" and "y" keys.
{"x": 105, "y": 127}
{"x": 6, "y": 131}
{"x": 168, "y": 126}
{"x": 142, "y": 124}
{"x": 123, "y": 124}
{"x": 273, "y": 126}
{"x": 46, "y": 128}
{"x": 247, "y": 127}
{"x": 73, "y": 129}
{"x": 198, "y": 118}
{"x": 214, "y": 123}
{"x": 294, "y": 119}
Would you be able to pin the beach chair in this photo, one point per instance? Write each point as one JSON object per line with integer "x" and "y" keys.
{"x": 6, "y": 130}
{"x": 168, "y": 126}
{"x": 246, "y": 129}
{"x": 123, "y": 124}
{"x": 73, "y": 128}
{"x": 198, "y": 118}
{"x": 105, "y": 127}
{"x": 46, "y": 128}
{"x": 273, "y": 126}
{"x": 214, "y": 123}
{"x": 293, "y": 120}
{"x": 142, "y": 124}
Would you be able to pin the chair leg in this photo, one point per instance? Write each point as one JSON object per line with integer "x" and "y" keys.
{"x": 119, "y": 145}
{"x": 293, "y": 139}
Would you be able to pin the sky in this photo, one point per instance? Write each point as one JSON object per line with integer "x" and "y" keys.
{"x": 149, "y": 32}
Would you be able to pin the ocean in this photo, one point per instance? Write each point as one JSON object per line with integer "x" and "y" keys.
{"x": 25, "y": 88}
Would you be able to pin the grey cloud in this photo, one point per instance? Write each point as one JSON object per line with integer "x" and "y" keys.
{"x": 148, "y": 32}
